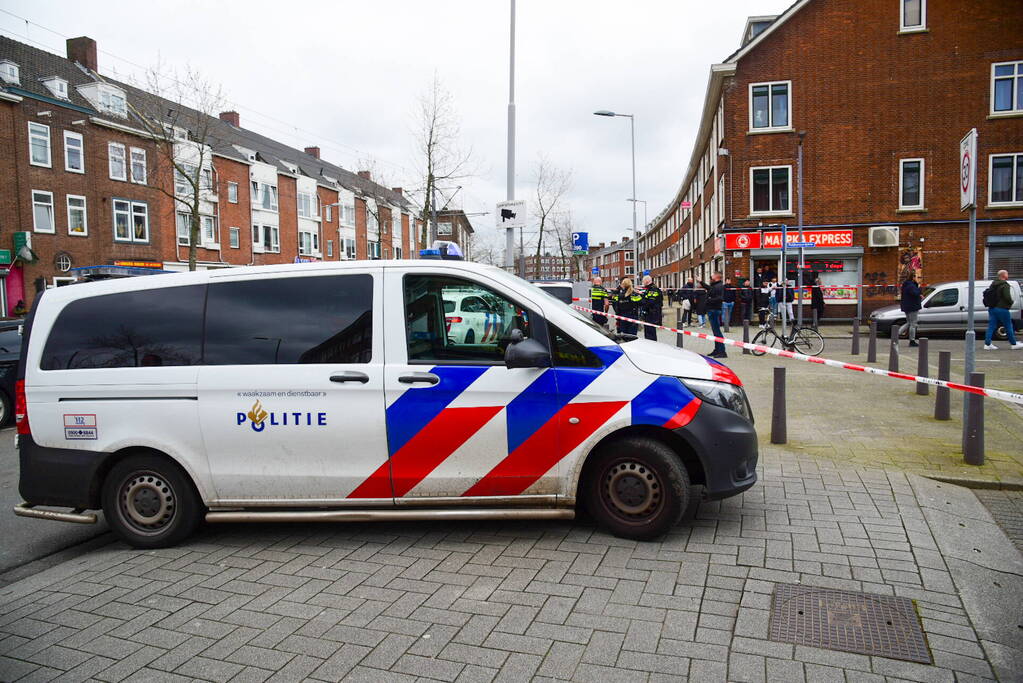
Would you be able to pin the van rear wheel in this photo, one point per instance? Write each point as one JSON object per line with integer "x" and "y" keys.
{"x": 636, "y": 488}
{"x": 149, "y": 502}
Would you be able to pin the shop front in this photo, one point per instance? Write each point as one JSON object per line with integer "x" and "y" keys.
{"x": 833, "y": 259}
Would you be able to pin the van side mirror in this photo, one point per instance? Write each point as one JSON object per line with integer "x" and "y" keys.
{"x": 526, "y": 353}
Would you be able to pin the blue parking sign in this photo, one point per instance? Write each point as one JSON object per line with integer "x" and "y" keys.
{"x": 580, "y": 242}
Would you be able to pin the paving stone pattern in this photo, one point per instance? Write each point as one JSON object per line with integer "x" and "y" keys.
{"x": 490, "y": 601}
{"x": 1007, "y": 509}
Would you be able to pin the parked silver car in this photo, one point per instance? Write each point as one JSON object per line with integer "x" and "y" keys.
{"x": 944, "y": 310}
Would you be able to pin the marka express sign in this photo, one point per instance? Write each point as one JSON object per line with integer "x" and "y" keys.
{"x": 772, "y": 240}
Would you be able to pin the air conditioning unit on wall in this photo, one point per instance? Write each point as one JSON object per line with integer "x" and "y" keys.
{"x": 884, "y": 236}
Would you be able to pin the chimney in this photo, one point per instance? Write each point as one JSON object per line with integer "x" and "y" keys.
{"x": 83, "y": 51}
{"x": 313, "y": 151}
{"x": 397, "y": 190}
{"x": 613, "y": 242}
{"x": 231, "y": 117}
{"x": 365, "y": 174}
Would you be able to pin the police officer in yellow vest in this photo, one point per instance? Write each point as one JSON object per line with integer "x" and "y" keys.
{"x": 651, "y": 310}
{"x": 598, "y": 301}
{"x": 627, "y": 302}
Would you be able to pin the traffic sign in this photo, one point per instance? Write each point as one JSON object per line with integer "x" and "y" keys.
{"x": 802, "y": 245}
{"x": 685, "y": 205}
{"x": 595, "y": 270}
{"x": 580, "y": 243}
{"x": 511, "y": 214}
{"x": 968, "y": 170}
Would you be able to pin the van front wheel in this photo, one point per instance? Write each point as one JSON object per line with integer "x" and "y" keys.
{"x": 149, "y": 502}
{"x": 637, "y": 488}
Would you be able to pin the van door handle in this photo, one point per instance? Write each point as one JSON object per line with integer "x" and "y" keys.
{"x": 417, "y": 377}
{"x": 350, "y": 376}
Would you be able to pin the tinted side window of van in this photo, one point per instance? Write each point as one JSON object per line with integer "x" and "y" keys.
{"x": 150, "y": 327}
{"x": 273, "y": 321}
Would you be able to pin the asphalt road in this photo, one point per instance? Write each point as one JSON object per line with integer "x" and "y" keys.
{"x": 24, "y": 540}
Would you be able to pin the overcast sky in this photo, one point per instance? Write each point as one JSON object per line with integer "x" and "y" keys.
{"x": 346, "y": 76}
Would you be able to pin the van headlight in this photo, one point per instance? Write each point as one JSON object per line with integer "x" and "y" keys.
{"x": 721, "y": 394}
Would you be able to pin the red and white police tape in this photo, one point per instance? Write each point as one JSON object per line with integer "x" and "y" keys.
{"x": 990, "y": 393}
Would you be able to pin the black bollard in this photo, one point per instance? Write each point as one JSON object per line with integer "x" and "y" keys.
{"x": 942, "y": 407}
{"x": 745, "y": 336}
{"x": 856, "y": 337}
{"x": 973, "y": 428}
{"x": 778, "y": 431}
{"x": 922, "y": 368}
{"x": 678, "y": 325}
{"x": 893, "y": 351}
{"x": 872, "y": 343}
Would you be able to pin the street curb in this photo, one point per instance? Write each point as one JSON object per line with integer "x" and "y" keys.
{"x": 1010, "y": 485}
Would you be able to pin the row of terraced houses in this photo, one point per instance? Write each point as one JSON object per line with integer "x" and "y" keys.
{"x": 81, "y": 190}
{"x": 878, "y": 93}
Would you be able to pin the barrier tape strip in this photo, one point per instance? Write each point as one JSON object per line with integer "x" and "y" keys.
{"x": 990, "y": 393}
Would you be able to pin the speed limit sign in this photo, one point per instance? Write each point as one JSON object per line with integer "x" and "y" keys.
{"x": 968, "y": 170}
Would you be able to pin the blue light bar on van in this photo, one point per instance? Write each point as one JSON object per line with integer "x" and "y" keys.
{"x": 429, "y": 253}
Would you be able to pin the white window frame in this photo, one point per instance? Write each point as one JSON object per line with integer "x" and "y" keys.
{"x": 346, "y": 214}
{"x": 53, "y": 213}
{"x": 770, "y": 109}
{"x": 314, "y": 242}
{"x": 327, "y": 215}
{"x": 1017, "y": 83}
{"x": 131, "y": 212}
{"x": 85, "y": 216}
{"x": 350, "y": 249}
{"x": 912, "y": 28}
{"x": 261, "y": 190}
{"x": 902, "y": 164}
{"x": 111, "y": 146}
{"x": 235, "y": 237}
{"x": 772, "y": 211}
{"x": 259, "y": 245}
{"x": 183, "y": 239}
{"x": 209, "y": 234}
{"x": 131, "y": 165}
{"x": 232, "y": 193}
{"x": 34, "y": 134}
{"x": 1016, "y": 158}
{"x": 330, "y": 248}
{"x": 71, "y": 135}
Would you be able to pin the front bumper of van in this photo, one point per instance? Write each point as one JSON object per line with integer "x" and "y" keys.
{"x": 726, "y": 445}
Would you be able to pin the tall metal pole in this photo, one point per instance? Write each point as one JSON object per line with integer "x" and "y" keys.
{"x": 971, "y": 333}
{"x": 784, "y": 281}
{"x": 799, "y": 271}
{"x": 635, "y": 240}
{"x": 509, "y": 233}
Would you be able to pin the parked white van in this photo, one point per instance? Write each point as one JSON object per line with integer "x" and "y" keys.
{"x": 944, "y": 306}
{"x": 333, "y": 392}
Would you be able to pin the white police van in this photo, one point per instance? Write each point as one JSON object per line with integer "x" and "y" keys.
{"x": 332, "y": 392}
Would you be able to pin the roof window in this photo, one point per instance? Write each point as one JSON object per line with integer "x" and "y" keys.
{"x": 9, "y": 72}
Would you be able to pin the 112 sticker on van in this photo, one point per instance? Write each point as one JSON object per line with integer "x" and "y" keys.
{"x": 80, "y": 427}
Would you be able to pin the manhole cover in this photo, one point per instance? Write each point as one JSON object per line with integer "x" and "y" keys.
{"x": 881, "y": 625}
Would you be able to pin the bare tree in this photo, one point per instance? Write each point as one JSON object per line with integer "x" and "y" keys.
{"x": 552, "y": 184}
{"x": 179, "y": 111}
{"x": 563, "y": 229}
{"x": 442, "y": 160}
{"x": 484, "y": 248}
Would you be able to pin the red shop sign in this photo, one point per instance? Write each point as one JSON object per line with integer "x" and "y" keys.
{"x": 742, "y": 240}
{"x": 822, "y": 238}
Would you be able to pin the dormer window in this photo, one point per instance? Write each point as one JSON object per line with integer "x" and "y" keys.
{"x": 112, "y": 100}
{"x": 9, "y": 72}
{"x": 57, "y": 86}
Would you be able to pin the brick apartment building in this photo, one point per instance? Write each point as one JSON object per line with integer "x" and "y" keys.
{"x": 881, "y": 92}
{"x": 82, "y": 194}
{"x": 453, "y": 225}
{"x": 613, "y": 261}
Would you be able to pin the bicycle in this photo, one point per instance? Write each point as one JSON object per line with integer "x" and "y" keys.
{"x": 804, "y": 340}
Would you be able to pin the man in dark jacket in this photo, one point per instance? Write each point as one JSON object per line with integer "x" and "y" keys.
{"x": 728, "y": 303}
{"x": 652, "y": 308}
{"x": 999, "y": 314}
{"x": 715, "y": 297}
{"x": 909, "y": 302}
{"x": 746, "y": 301}
{"x": 817, "y": 298}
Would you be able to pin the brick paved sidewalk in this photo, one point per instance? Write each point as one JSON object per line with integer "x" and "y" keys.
{"x": 461, "y": 601}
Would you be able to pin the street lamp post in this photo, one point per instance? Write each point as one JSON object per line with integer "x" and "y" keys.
{"x": 645, "y": 223}
{"x": 632, "y": 133}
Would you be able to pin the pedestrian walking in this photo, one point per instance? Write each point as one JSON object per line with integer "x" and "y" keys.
{"x": 998, "y": 299}
{"x": 715, "y": 299}
{"x": 817, "y": 299}
{"x": 685, "y": 296}
{"x": 598, "y": 301}
{"x": 652, "y": 309}
{"x": 909, "y": 302}
{"x": 728, "y": 303}
{"x": 627, "y": 302}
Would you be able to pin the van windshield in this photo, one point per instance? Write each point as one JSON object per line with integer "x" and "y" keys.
{"x": 585, "y": 317}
